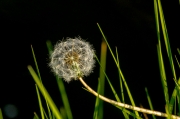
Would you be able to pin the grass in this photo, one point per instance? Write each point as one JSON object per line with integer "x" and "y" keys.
{"x": 171, "y": 101}
{"x": 172, "y": 108}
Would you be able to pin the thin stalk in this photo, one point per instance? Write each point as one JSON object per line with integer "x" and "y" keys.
{"x": 157, "y": 113}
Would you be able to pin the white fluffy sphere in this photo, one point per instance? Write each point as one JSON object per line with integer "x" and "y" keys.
{"x": 72, "y": 58}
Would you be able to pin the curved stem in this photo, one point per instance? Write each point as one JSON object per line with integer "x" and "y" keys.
{"x": 157, "y": 113}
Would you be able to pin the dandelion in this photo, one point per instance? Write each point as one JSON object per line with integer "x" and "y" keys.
{"x": 72, "y": 58}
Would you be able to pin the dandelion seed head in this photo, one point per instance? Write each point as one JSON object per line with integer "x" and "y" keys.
{"x": 72, "y": 58}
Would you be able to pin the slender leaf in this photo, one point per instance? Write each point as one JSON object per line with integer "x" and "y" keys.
{"x": 119, "y": 70}
{"x": 45, "y": 93}
{"x": 149, "y": 101}
{"x": 40, "y": 103}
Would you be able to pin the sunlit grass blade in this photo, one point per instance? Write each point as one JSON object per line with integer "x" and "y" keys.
{"x": 119, "y": 70}
{"x": 101, "y": 83}
{"x": 46, "y": 117}
{"x": 45, "y": 93}
{"x": 150, "y": 103}
{"x": 35, "y": 116}
{"x": 168, "y": 49}
{"x": 115, "y": 94}
{"x": 120, "y": 79}
{"x": 49, "y": 111}
{"x": 166, "y": 39}
{"x": 40, "y": 103}
{"x": 1, "y": 115}
{"x": 35, "y": 61}
{"x": 61, "y": 87}
{"x": 163, "y": 75}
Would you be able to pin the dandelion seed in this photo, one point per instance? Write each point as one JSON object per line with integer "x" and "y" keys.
{"x": 72, "y": 58}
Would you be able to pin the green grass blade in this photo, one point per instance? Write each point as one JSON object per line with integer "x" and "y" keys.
{"x": 150, "y": 103}
{"x": 101, "y": 84}
{"x": 168, "y": 49}
{"x": 1, "y": 115}
{"x": 166, "y": 39}
{"x": 61, "y": 87}
{"x": 114, "y": 92}
{"x": 35, "y": 116}
{"x": 36, "y": 63}
{"x": 96, "y": 109}
{"x": 163, "y": 75}
{"x": 64, "y": 97}
{"x": 49, "y": 111}
{"x": 34, "y": 57}
{"x": 178, "y": 51}
{"x": 177, "y": 61}
{"x": 46, "y": 117}
{"x": 120, "y": 78}
{"x": 119, "y": 70}
{"x": 40, "y": 103}
{"x": 45, "y": 93}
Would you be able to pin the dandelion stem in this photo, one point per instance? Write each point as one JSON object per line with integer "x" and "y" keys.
{"x": 157, "y": 113}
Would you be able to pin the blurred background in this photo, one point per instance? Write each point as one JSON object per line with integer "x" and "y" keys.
{"x": 128, "y": 25}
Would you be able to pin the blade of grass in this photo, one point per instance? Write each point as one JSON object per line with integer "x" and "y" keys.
{"x": 150, "y": 103}
{"x": 40, "y": 103}
{"x": 113, "y": 90}
{"x": 1, "y": 115}
{"x": 119, "y": 70}
{"x": 45, "y": 93}
{"x": 35, "y": 116}
{"x": 46, "y": 117}
{"x": 35, "y": 61}
{"x": 120, "y": 78}
{"x": 61, "y": 87}
{"x": 178, "y": 51}
{"x": 177, "y": 61}
{"x": 101, "y": 84}
{"x": 166, "y": 38}
{"x": 96, "y": 109}
{"x": 168, "y": 49}
{"x": 163, "y": 75}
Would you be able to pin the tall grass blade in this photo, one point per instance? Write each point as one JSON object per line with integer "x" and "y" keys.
{"x": 115, "y": 94}
{"x": 150, "y": 103}
{"x": 45, "y": 93}
{"x": 35, "y": 61}
{"x": 96, "y": 109}
{"x": 101, "y": 81}
{"x": 61, "y": 87}
{"x": 168, "y": 49}
{"x": 40, "y": 103}
{"x": 163, "y": 75}
{"x": 120, "y": 78}
{"x": 119, "y": 70}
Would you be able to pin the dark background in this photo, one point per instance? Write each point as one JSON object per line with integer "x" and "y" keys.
{"x": 127, "y": 24}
